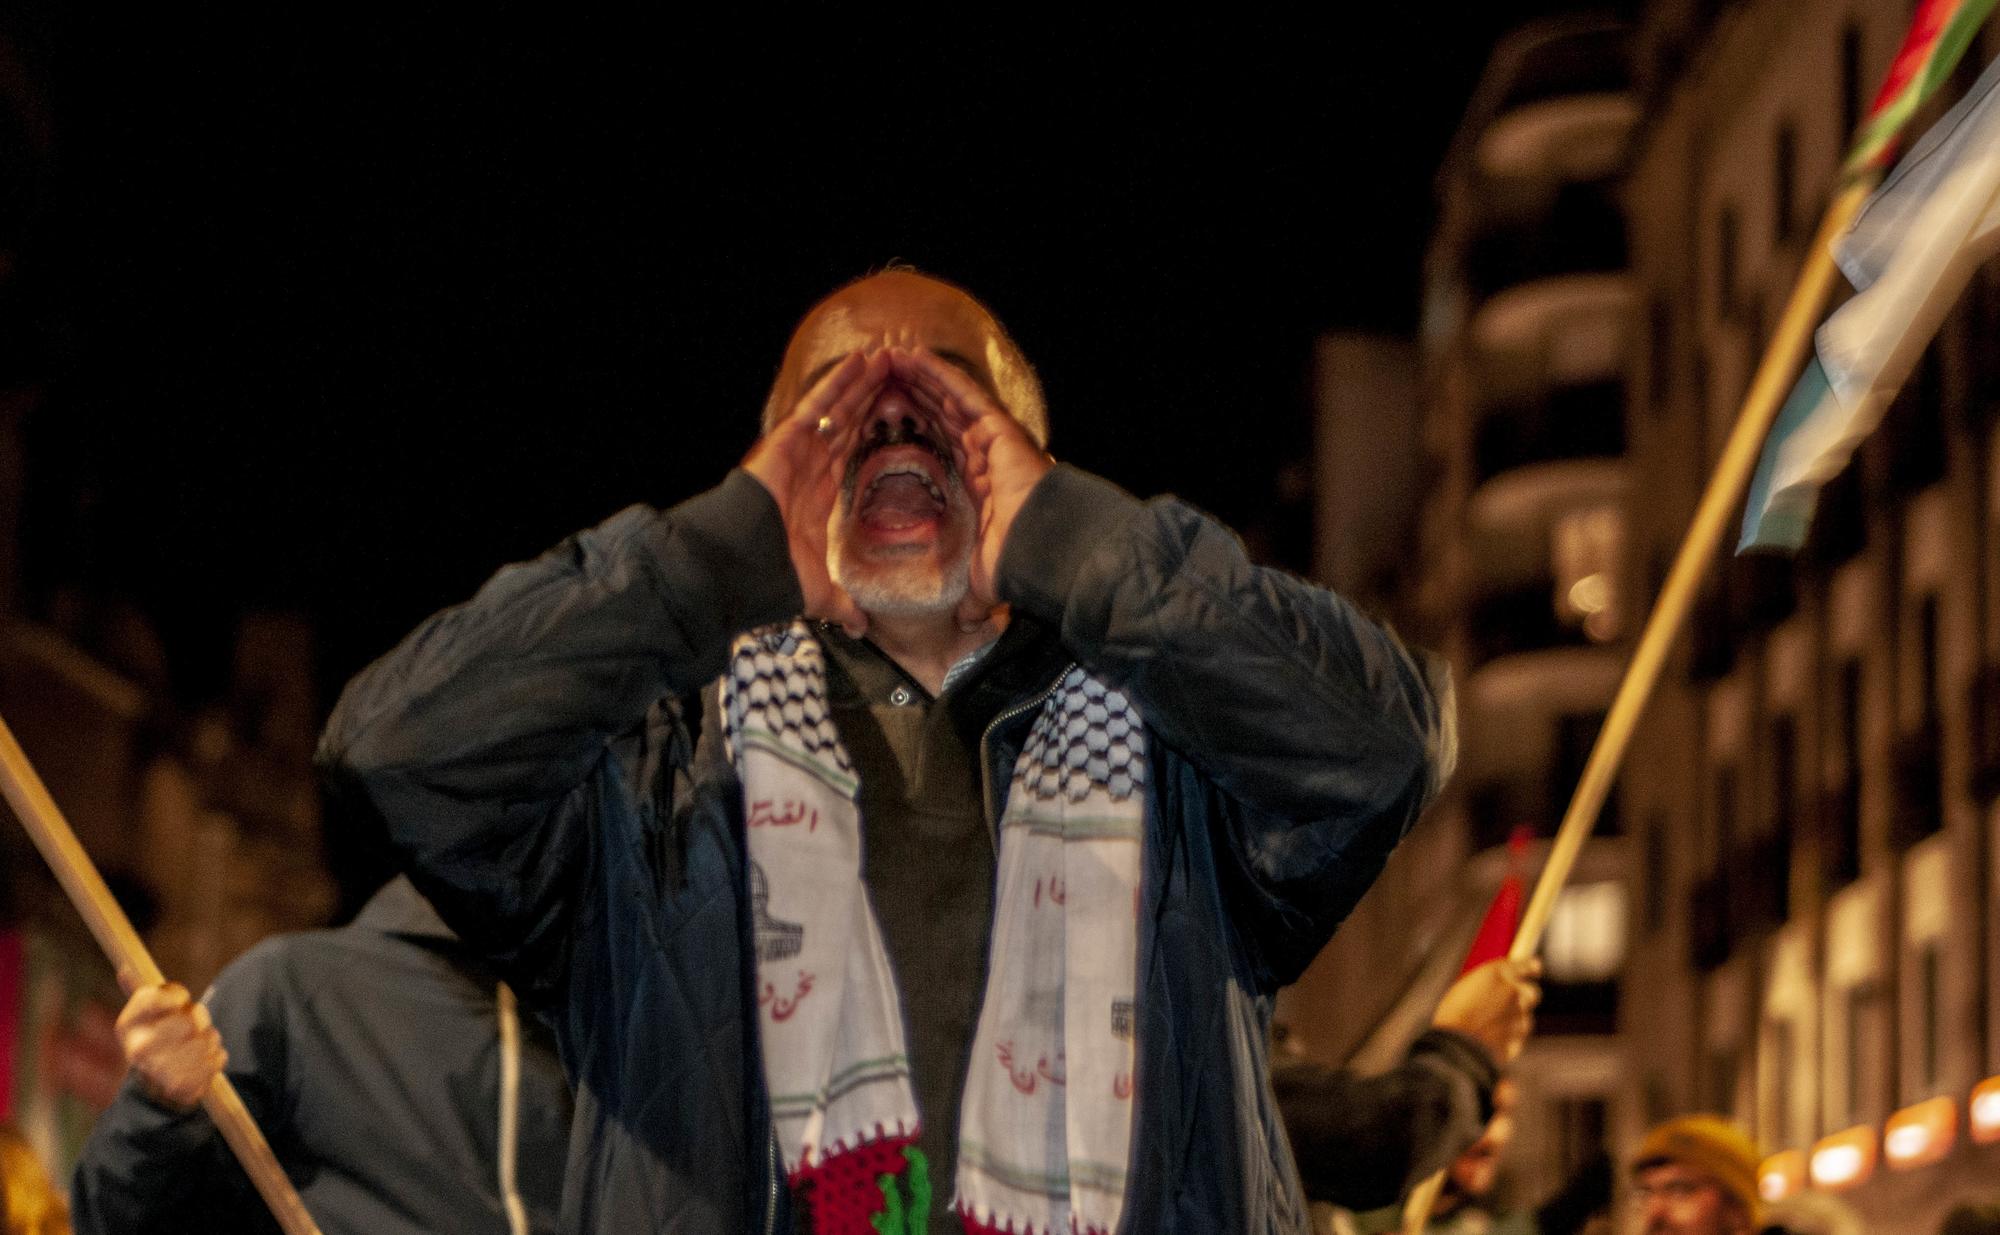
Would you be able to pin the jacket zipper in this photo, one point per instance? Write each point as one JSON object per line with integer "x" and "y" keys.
{"x": 771, "y": 1207}
{"x": 986, "y": 764}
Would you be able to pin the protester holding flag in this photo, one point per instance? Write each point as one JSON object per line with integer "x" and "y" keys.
{"x": 29, "y": 1202}
{"x": 1362, "y": 1142}
{"x": 401, "y": 1089}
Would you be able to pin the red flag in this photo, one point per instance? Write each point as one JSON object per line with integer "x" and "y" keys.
{"x": 1503, "y": 916}
{"x": 13, "y": 969}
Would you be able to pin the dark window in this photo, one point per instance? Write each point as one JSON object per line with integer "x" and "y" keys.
{"x": 1841, "y": 851}
{"x": 1761, "y": 592}
{"x": 1656, "y": 875}
{"x": 1865, "y": 1051}
{"x": 1929, "y": 993}
{"x": 1776, "y": 865}
{"x": 1659, "y": 355}
{"x": 1581, "y": 1124}
{"x": 1575, "y": 735}
{"x": 1917, "y": 434}
{"x": 1982, "y": 313}
{"x": 1784, "y": 778}
{"x": 1919, "y": 782}
{"x": 1724, "y": 831}
{"x": 1928, "y": 667}
{"x": 1784, "y": 1059}
{"x": 1784, "y": 182}
{"x": 1851, "y": 84}
{"x": 1726, "y": 302}
{"x": 1519, "y": 619}
{"x": 1722, "y": 1065}
{"x": 1840, "y": 524}
{"x": 1585, "y": 421}
{"x": 1658, "y": 1098}
{"x": 1857, "y": 1031}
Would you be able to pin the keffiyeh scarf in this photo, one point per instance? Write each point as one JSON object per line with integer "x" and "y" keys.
{"x": 1045, "y": 1127}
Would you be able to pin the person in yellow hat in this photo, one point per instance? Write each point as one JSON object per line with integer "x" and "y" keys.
{"x": 29, "y": 1202}
{"x": 1696, "y": 1175}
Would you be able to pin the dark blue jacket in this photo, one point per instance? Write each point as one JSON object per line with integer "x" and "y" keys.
{"x": 532, "y": 753}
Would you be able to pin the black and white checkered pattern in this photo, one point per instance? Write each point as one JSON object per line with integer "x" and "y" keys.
{"x": 1091, "y": 739}
{"x": 779, "y": 674}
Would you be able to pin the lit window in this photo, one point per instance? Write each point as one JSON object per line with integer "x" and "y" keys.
{"x": 1586, "y": 935}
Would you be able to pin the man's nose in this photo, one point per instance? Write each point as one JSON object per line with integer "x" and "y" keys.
{"x": 1653, "y": 1215}
{"x": 894, "y": 411}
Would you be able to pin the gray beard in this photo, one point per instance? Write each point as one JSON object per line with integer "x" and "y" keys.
{"x": 903, "y": 590}
{"x": 908, "y": 593}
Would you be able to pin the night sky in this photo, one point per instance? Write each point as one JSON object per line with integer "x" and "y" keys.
{"x": 340, "y": 318}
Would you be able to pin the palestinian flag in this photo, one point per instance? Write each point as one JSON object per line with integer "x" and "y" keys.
{"x": 1503, "y": 916}
{"x": 1938, "y": 36}
{"x": 1911, "y": 252}
{"x": 13, "y": 1007}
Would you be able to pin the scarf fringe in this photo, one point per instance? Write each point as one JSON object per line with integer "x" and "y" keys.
{"x": 901, "y": 1138}
{"x": 993, "y": 1224}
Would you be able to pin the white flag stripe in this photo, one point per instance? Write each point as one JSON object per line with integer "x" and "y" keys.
{"x": 1869, "y": 245}
{"x": 1869, "y": 347}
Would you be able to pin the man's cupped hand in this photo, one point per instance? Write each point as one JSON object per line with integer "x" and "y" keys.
{"x": 801, "y": 460}
{"x": 1001, "y": 464}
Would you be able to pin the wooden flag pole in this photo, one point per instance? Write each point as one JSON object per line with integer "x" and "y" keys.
{"x": 128, "y": 955}
{"x": 1720, "y": 504}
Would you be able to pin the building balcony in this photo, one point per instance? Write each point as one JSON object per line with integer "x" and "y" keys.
{"x": 1556, "y": 58}
{"x": 1571, "y": 137}
{"x": 1571, "y": 422}
{"x": 1744, "y": 899}
{"x": 1512, "y": 520}
{"x": 1527, "y": 235}
{"x": 1530, "y": 720}
{"x": 1570, "y": 330}
{"x": 1527, "y": 93}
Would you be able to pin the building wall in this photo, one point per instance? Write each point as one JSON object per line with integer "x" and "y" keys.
{"x": 1832, "y": 694}
{"x": 1526, "y": 331}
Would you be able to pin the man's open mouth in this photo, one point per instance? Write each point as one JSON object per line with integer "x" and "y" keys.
{"x": 899, "y": 479}
{"x": 903, "y": 494}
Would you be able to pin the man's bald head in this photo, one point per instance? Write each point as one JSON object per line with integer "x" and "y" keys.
{"x": 904, "y": 308}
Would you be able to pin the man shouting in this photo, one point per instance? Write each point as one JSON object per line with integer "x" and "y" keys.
{"x": 908, "y": 833}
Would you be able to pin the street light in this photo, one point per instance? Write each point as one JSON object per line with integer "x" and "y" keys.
{"x": 1845, "y": 1159}
{"x": 1921, "y": 1134}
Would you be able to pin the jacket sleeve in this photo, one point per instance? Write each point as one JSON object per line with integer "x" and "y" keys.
{"x": 146, "y": 1168}
{"x": 1325, "y": 737}
{"x": 1364, "y": 1142}
{"x": 475, "y": 742}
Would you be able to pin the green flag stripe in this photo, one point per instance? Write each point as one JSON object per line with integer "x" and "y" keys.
{"x": 1880, "y": 131}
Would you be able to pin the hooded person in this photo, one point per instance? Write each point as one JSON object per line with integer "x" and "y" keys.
{"x": 398, "y": 1085}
